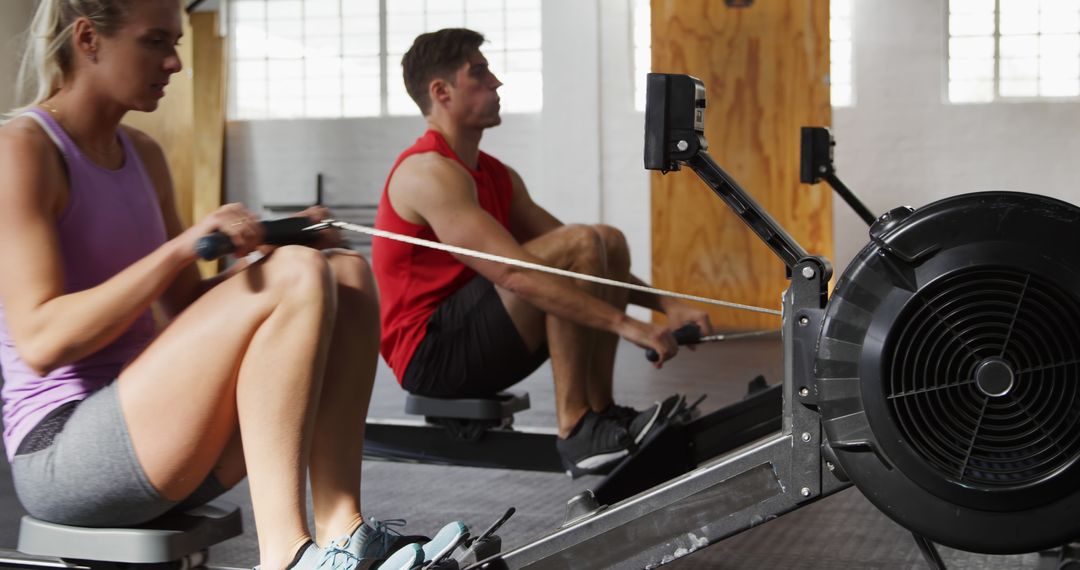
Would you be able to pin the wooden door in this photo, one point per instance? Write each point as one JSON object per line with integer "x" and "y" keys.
{"x": 765, "y": 69}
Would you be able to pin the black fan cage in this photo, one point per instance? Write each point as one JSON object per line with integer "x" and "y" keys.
{"x": 944, "y": 333}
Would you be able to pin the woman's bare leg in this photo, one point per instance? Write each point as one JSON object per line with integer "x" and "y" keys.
{"x": 338, "y": 446}
{"x": 248, "y": 353}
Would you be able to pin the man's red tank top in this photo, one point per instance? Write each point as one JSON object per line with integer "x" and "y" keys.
{"x": 414, "y": 280}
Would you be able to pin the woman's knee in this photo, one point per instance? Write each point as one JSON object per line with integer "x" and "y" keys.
{"x": 295, "y": 268}
{"x": 350, "y": 269}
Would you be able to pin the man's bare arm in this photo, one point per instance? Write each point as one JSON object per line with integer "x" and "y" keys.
{"x": 528, "y": 220}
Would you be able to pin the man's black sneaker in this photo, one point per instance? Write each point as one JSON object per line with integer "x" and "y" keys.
{"x": 638, "y": 424}
{"x": 594, "y": 446}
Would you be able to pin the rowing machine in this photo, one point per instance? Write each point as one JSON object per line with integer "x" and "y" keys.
{"x": 941, "y": 379}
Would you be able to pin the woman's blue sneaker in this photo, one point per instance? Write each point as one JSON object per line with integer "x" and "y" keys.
{"x": 372, "y": 540}
{"x": 407, "y": 558}
{"x": 445, "y": 541}
{"x": 307, "y": 557}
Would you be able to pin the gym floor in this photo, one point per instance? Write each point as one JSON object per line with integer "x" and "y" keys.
{"x": 841, "y": 531}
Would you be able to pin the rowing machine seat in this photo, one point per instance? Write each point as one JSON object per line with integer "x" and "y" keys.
{"x": 500, "y": 406}
{"x": 171, "y": 538}
{"x": 469, "y": 418}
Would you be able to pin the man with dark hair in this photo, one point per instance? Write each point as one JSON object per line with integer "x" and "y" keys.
{"x": 460, "y": 326}
{"x": 439, "y": 54}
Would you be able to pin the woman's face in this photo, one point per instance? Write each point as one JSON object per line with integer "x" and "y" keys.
{"x": 134, "y": 65}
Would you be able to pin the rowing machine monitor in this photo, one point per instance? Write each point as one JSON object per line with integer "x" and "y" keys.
{"x": 816, "y": 164}
{"x": 817, "y": 154}
{"x": 674, "y": 120}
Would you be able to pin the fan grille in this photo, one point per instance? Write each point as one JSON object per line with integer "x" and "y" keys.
{"x": 1023, "y": 323}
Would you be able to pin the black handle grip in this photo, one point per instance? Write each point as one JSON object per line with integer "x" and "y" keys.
{"x": 213, "y": 246}
{"x": 286, "y": 231}
{"x": 686, "y": 334}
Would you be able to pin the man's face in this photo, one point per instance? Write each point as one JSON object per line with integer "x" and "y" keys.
{"x": 475, "y": 100}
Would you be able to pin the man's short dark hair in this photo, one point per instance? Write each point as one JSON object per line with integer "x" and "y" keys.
{"x": 436, "y": 55}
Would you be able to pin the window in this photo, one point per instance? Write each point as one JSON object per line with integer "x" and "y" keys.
{"x": 342, "y": 58}
{"x": 1008, "y": 49}
{"x": 841, "y": 91}
{"x": 840, "y": 25}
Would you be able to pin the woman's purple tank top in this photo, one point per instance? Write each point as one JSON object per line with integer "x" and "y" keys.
{"x": 112, "y": 219}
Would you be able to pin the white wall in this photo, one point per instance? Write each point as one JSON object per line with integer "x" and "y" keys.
{"x": 903, "y": 144}
{"x": 14, "y": 20}
{"x": 275, "y": 162}
{"x": 624, "y": 187}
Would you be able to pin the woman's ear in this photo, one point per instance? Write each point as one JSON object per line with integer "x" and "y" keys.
{"x": 85, "y": 37}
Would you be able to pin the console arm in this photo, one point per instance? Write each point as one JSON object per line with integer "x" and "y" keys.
{"x": 779, "y": 241}
{"x": 860, "y": 209}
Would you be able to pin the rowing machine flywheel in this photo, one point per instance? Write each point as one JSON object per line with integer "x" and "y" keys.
{"x": 948, "y": 371}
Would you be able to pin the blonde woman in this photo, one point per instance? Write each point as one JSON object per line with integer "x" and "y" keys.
{"x": 264, "y": 372}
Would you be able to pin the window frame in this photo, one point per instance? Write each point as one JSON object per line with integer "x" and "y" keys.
{"x": 386, "y": 62}
{"x": 996, "y": 80}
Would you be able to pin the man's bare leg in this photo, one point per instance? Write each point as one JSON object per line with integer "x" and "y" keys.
{"x": 576, "y": 248}
{"x": 602, "y": 363}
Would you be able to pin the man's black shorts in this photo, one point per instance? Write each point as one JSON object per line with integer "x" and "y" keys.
{"x": 471, "y": 349}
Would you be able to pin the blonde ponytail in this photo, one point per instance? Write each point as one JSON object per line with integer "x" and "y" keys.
{"x": 47, "y": 56}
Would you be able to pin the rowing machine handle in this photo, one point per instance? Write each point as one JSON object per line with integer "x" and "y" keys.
{"x": 686, "y": 334}
{"x": 286, "y": 231}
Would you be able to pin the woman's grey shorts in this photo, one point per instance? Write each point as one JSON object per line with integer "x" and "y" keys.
{"x": 78, "y": 467}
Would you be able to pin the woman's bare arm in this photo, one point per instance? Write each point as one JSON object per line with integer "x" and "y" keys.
{"x": 51, "y": 328}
